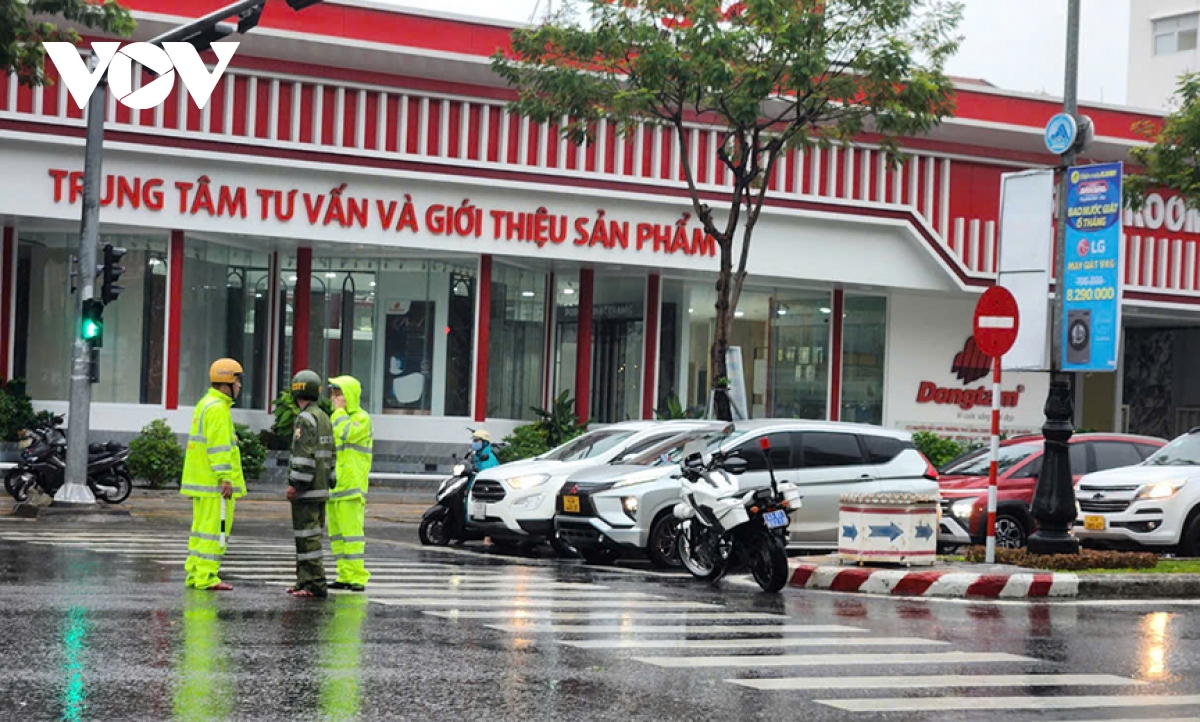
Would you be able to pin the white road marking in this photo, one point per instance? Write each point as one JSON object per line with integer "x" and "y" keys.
{"x": 936, "y": 681}
{"x": 749, "y": 643}
{"x": 749, "y": 629}
{"x": 830, "y": 660}
{"x": 577, "y": 603}
{"x": 1007, "y": 704}
{"x": 607, "y": 614}
{"x": 466, "y": 595}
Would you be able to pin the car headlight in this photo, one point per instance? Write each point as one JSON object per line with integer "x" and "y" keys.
{"x": 630, "y": 505}
{"x": 527, "y": 482}
{"x": 641, "y": 478}
{"x": 1160, "y": 490}
{"x": 962, "y": 508}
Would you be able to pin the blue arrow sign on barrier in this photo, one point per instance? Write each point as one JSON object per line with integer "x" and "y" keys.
{"x": 891, "y": 531}
{"x": 850, "y": 532}
{"x": 924, "y": 531}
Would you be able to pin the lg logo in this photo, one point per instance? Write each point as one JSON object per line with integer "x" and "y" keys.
{"x": 118, "y": 62}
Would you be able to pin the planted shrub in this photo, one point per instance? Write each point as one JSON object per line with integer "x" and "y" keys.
{"x": 156, "y": 456}
{"x": 555, "y": 426}
{"x": 16, "y": 410}
{"x": 253, "y": 452}
{"x": 1085, "y": 559}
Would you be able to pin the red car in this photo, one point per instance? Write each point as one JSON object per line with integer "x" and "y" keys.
{"x": 964, "y": 483}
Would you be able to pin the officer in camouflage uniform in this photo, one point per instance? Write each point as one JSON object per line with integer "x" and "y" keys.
{"x": 309, "y": 480}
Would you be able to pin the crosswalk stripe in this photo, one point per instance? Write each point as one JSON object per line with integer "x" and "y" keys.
{"x": 749, "y": 643}
{"x": 607, "y": 614}
{"x": 945, "y": 704}
{"x": 422, "y": 585}
{"x": 468, "y": 595}
{"x": 944, "y": 681}
{"x": 750, "y": 629}
{"x": 558, "y": 603}
{"x": 829, "y": 660}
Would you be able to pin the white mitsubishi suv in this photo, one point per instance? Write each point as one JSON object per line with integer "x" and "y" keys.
{"x": 514, "y": 502}
{"x": 1154, "y": 504}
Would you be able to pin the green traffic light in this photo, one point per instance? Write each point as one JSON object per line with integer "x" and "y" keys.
{"x": 91, "y": 329}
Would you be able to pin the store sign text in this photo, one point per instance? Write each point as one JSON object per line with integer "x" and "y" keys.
{"x": 930, "y": 393}
{"x": 339, "y": 208}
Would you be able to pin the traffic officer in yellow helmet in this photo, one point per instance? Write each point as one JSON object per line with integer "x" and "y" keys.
{"x": 353, "y": 440}
{"x": 212, "y": 476}
{"x": 309, "y": 480}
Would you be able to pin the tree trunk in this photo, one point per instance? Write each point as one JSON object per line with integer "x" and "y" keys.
{"x": 720, "y": 383}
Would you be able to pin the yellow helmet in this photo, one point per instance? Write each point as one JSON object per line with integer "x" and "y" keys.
{"x": 482, "y": 435}
{"x": 224, "y": 371}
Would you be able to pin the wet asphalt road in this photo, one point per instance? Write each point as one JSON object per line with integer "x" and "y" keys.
{"x": 97, "y": 625}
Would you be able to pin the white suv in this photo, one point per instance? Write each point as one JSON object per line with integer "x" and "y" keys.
{"x": 1153, "y": 504}
{"x": 603, "y": 511}
{"x": 515, "y": 502}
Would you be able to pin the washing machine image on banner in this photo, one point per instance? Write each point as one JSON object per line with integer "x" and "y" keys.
{"x": 408, "y": 357}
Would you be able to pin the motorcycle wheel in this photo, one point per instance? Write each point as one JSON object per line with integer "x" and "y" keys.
{"x": 700, "y": 564}
{"x": 769, "y": 563}
{"x": 434, "y": 532}
{"x": 14, "y": 486}
{"x": 114, "y": 489}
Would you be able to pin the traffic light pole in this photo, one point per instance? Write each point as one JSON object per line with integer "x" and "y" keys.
{"x": 74, "y": 489}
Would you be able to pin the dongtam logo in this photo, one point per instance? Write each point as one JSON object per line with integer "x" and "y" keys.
{"x": 118, "y": 62}
{"x": 971, "y": 364}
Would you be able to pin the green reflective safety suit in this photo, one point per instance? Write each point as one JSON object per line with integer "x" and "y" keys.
{"x": 212, "y": 457}
{"x": 341, "y": 641}
{"x": 311, "y": 474}
{"x": 347, "y": 507}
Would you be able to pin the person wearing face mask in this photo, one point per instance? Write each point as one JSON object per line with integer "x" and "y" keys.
{"x": 212, "y": 476}
{"x": 482, "y": 454}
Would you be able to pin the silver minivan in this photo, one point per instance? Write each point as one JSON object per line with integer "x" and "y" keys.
{"x": 607, "y": 510}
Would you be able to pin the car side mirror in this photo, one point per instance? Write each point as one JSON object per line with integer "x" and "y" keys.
{"x": 734, "y": 465}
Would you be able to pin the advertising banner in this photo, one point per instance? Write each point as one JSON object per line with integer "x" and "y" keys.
{"x": 1092, "y": 283}
{"x": 408, "y": 347}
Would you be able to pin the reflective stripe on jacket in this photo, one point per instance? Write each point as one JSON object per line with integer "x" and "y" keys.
{"x": 311, "y": 468}
{"x": 212, "y": 452}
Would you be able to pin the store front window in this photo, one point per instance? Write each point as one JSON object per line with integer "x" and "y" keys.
{"x": 225, "y": 314}
{"x": 688, "y": 327}
{"x": 800, "y": 355}
{"x": 403, "y": 326}
{"x": 566, "y": 332}
{"x": 618, "y": 335}
{"x": 517, "y": 347}
{"x": 132, "y": 355}
{"x": 864, "y": 338}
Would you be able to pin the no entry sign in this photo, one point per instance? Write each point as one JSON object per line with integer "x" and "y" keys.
{"x": 996, "y": 321}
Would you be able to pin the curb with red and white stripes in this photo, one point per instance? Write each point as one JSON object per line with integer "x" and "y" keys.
{"x": 906, "y": 582}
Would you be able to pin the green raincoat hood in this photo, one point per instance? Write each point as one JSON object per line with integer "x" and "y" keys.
{"x": 351, "y": 389}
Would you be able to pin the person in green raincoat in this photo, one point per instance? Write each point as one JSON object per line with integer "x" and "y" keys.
{"x": 309, "y": 479}
{"x": 346, "y": 510}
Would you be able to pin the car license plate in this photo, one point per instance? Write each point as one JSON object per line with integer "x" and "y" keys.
{"x": 571, "y": 504}
{"x": 479, "y": 510}
{"x": 1094, "y": 523}
{"x": 775, "y": 519}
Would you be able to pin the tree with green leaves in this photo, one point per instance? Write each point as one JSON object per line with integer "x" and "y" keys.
{"x": 773, "y": 75}
{"x": 1172, "y": 162}
{"x": 26, "y": 24}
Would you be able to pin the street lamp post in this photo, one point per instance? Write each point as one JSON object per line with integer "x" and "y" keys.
{"x": 201, "y": 33}
{"x": 1053, "y": 505}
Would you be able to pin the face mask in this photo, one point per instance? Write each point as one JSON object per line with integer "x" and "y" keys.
{"x": 476, "y": 446}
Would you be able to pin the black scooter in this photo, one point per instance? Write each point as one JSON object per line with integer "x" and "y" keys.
{"x": 446, "y": 520}
{"x": 44, "y": 464}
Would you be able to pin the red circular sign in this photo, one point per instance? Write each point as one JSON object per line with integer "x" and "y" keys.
{"x": 996, "y": 321}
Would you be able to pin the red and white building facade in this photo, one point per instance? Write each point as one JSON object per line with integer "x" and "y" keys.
{"x": 356, "y": 198}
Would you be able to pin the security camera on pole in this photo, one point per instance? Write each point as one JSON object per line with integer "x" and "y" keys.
{"x": 201, "y": 34}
